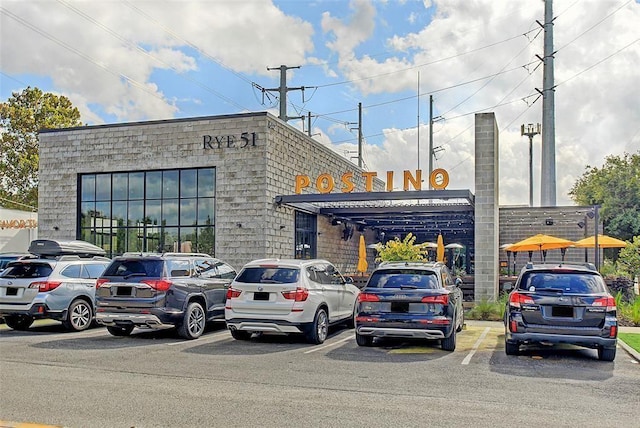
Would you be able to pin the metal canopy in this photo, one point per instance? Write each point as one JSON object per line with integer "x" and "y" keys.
{"x": 425, "y": 213}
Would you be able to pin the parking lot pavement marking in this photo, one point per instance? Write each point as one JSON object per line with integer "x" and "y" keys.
{"x": 414, "y": 350}
{"x": 328, "y": 345}
{"x": 214, "y": 337}
{"x": 476, "y": 346}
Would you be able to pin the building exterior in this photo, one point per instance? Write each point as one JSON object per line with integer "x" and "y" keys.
{"x": 213, "y": 185}
{"x": 200, "y": 184}
{"x": 17, "y": 230}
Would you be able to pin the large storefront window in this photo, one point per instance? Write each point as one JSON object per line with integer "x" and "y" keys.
{"x": 306, "y": 235}
{"x": 154, "y": 211}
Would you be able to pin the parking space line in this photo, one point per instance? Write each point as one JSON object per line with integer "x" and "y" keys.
{"x": 476, "y": 346}
{"x": 328, "y": 345}
{"x": 214, "y": 337}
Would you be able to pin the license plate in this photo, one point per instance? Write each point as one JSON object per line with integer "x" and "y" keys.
{"x": 402, "y": 307}
{"x": 261, "y": 296}
{"x": 123, "y": 291}
{"x": 562, "y": 311}
{"x": 12, "y": 291}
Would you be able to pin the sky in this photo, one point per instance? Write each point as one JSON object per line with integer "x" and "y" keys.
{"x": 124, "y": 61}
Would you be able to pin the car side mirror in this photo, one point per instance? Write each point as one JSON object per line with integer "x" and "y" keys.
{"x": 459, "y": 282}
{"x": 348, "y": 280}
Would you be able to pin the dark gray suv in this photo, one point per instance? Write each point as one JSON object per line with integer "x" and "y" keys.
{"x": 158, "y": 291}
{"x": 561, "y": 303}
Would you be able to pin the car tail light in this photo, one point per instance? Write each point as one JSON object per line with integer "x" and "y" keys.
{"x": 45, "y": 285}
{"x": 101, "y": 281}
{"x": 158, "y": 284}
{"x": 232, "y": 293}
{"x": 613, "y": 332}
{"x": 367, "y": 319}
{"x": 513, "y": 326}
{"x": 368, "y": 297}
{"x": 608, "y": 302}
{"x": 300, "y": 294}
{"x": 442, "y": 299}
{"x": 517, "y": 299}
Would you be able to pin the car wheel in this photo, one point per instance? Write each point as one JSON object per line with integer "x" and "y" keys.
{"x": 240, "y": 334}
{"x": 116, "y": 330}
{"x": 606, "y": 354}
{"x": 18, "y": 322}
{"x": 319, "y": 329}
{"x": 364, "y": 340}
{"x": 511, "y": 348}
{"x": 79, "y": 316}
{"x": 449, "y": 343}
{"x": 194, "y": 321}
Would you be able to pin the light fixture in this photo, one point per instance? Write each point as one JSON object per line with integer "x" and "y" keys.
{"x": 549, "y": 222}
{"x": 282, "y": 226}
{"x": 239, "y": 224}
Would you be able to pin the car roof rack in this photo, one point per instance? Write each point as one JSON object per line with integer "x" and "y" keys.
{"x": 186, "y": 255}
{"x": 48, "y": 248}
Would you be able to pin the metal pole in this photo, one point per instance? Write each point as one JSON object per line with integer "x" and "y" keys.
{"x": 548, "y": 161}
{"x": 360, "y": 135}
{"x": 430, "y": 139}
{"x": 597, "y": 257}
{"x": 530, "y": 170}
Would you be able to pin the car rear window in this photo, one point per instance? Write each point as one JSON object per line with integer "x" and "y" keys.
{"x": 27, "y": 270}
{"x": 406, "y": 278}
{"x": 131, "y": 268}
{"x": 566, "y": 282}
{"x": 269, "y": 275}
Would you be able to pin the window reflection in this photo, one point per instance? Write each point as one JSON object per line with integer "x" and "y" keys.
{"x": 171, "y": 210}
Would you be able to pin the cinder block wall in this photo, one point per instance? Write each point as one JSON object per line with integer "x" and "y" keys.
{"x": 486, "y": 207}
{"x": 247, "y": 225}
{"x": 518, "y": 223}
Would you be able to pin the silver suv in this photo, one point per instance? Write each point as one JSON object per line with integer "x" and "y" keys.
{"x": 289, "y": 296}
{"x": 59, "y": 287}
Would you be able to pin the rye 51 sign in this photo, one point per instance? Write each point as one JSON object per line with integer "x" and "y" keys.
{"x": 246, "y": 139}
{"x": 326, "y": 183}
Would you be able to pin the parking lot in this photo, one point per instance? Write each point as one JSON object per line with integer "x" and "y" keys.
{"x": 91, "y": 379}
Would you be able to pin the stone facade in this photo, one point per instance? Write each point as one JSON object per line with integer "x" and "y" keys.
{"x": 518, "y": 223}
{"x": 248, "y": 225}
{"x": 486, "y": 209}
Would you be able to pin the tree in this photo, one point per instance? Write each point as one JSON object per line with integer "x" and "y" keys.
{"x": 629, "y": 259}
{"x": 397, "y": 250}
{"x": 21, "y": 117}
{"x": 616, "y": 188}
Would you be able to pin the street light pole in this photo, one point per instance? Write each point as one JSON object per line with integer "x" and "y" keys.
{"x": 530, "y": 130}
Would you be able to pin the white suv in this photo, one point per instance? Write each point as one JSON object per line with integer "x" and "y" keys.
{"x": 289, "y": 296}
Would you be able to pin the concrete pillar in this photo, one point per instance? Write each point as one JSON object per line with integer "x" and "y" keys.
{"x": 486, "y": 208}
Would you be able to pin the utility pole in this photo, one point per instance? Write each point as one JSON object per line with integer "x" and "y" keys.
{"x": 282, "y": 90}
{"x": 530, "y": 130}
{"x": 548, "y": 161}
{"x": 430, "y": 140}
{"x": 360, "y": 135}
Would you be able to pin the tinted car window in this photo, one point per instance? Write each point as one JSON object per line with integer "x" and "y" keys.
{"x": 72, "y": 271}
{"x": 225, "y": 271}
{"x": 269, "y": 275}
{"x": 150, "y": 268}
{"x": 179, "y": 268}
{"x": 27, "y": 270}
{"x": 561, "y": 281}
{"x": 396, "y": 278}
{"x": 94, "y": 270}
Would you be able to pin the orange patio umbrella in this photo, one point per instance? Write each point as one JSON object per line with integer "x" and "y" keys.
{"x": 604, "y": 241}
{"x": 440, "y": 249}
{"x": 541, "y": 243}
{"x": 362, "y": 256}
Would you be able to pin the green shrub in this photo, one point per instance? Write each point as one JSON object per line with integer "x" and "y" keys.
{"x": 486, "y": 310}
{"x": 629, "y": 311}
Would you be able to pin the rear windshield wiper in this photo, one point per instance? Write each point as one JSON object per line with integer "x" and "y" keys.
{"x": 408, "y": 287}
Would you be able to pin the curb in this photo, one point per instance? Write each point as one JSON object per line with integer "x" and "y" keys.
{"x": 635, "y": 354}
